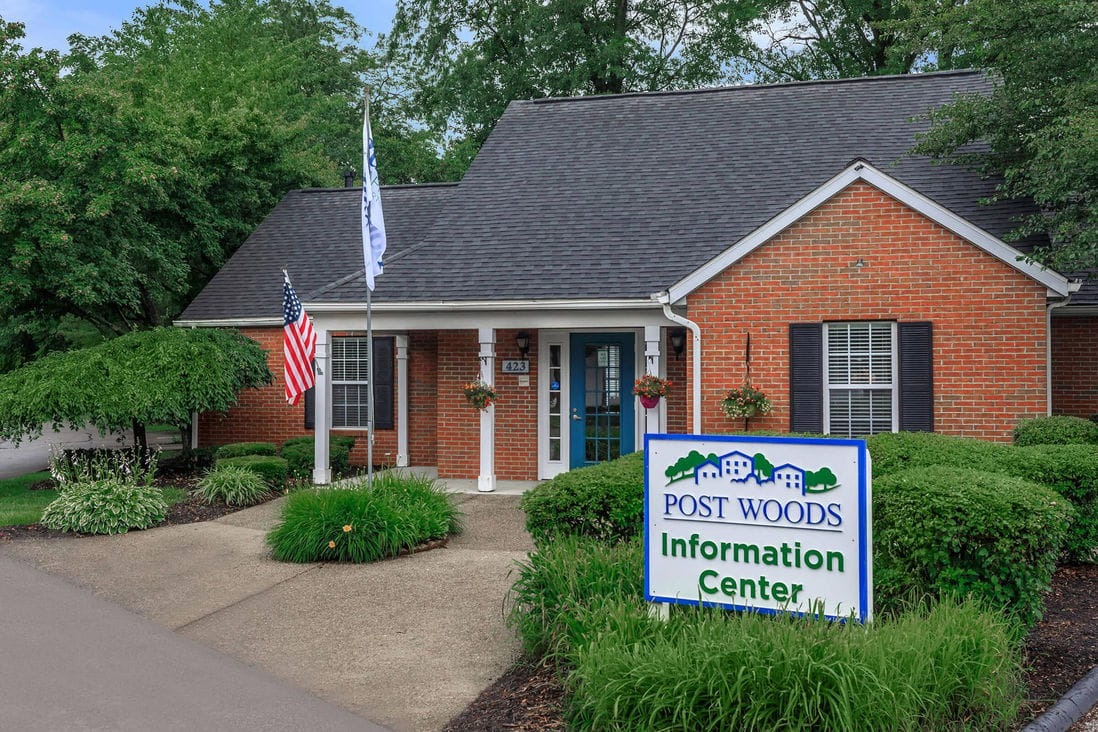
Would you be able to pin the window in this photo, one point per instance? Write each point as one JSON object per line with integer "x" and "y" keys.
{"x": 350, "y": 390}
{"x": 860, "y": 374}
{"x": 860, "y": 378}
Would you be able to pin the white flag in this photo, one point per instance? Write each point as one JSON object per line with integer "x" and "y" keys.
{"x": 373, "y": 222}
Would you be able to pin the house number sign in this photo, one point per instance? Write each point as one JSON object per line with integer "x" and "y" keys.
{"x": 516, "y": 366}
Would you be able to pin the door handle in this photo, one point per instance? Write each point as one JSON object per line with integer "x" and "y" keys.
{"x": 575, "y": 415}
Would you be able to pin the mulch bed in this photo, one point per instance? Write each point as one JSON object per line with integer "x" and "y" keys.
{"x": 1060, "y": 650}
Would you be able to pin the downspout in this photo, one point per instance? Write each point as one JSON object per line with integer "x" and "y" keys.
{"x": 696, "y": 352}
{"x": 1073, "y": 287}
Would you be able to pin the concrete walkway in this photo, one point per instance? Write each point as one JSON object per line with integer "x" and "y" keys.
{"x": 406, "y": 643}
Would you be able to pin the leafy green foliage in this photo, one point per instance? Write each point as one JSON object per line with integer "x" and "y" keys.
{"x": 604, "y": 501}
{"x": 105, "y": 506}
{"x": 19, "y": 505}
{"x": 1039, "y": 129}
{"x": 271, "y": 468}
{"x": 300, "y": 453}
{"x": 893, "y": 451}
{"x": 941, "y": 531}
{"x": 952, "y": 666}
{"x": 360, "y": 524}
{"x": 234, "y": 485}
{"x": 1058, "y": 430}
{"x": 467, "y": 59}
{"x": 75, "y": 466}
{"x": 240, "y": 449}
{"x": 563, "y": 578}
{"x": 159, "y": 375}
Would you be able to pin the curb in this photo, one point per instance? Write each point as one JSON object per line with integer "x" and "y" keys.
{"x": 1070, "y": 708}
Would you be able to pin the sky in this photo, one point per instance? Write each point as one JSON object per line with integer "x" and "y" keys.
{"x": 50, "y": 22}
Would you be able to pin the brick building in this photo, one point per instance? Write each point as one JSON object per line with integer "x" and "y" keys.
{"x": 777, "y": 234}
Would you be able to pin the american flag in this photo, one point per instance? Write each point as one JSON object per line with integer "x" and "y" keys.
{"x": 298, "y": 343}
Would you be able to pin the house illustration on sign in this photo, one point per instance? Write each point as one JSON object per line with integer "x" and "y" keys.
{"x": 739, "y": 467}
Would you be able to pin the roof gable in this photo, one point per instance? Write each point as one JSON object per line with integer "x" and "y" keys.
{"x": 861, "y": 170}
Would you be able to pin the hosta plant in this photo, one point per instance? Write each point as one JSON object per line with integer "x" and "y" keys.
{"x": 105, "y": 506}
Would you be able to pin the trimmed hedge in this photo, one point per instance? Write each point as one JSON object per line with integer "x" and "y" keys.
{"x": 604, "y": 501}
{"x": 273, "y": 470}
{"x": 299, "y": 452}
{"x": 893, "y": 451}
{"x": 952, "y": 531}
{"x": 1058, "y": 430}
{"x": 240, "y": 449}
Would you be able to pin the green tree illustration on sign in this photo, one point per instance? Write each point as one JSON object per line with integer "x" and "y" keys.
{"x": 820, "y": 481}
{"x": 683, "y": 468}
{"x": 763, "y": 466}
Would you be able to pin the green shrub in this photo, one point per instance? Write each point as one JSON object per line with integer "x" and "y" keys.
{"x": 604, "y": 501}
{"x": 1059, "y": 430}
{"x": 105, "y": 506}
{"x": 299, "y": 452}
{"x": 941, "y": 531}
{"x": 234, "y": 485}
{"x": 273, "y": 470}
{"x": 950, "y": 667}
{"x": 240, "y": 449}
{"x": 562, "y": 578}
{"x": 82, "y": 465}
{"x": 893, "y": 451}
{"x": 1071, "y": 471}
{"x": 360, "y": 524}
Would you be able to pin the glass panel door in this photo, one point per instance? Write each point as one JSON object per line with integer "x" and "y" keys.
{"x": 601, "y": 405}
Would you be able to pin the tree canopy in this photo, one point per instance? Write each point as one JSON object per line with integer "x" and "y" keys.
{"x": 159, "y": 375}
{"x": 466, "y": 59}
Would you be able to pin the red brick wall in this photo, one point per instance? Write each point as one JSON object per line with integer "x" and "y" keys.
{"x": 1075, "y": 366}
{"x": 989, "y": 319}
{"x": 679, "y": 398}
{"x": 422, "y": 397}
{"x": 458, "y": 424}
{"x": 262, "y": 415}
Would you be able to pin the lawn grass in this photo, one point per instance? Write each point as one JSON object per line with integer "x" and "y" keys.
{"x": 20, "y": 506}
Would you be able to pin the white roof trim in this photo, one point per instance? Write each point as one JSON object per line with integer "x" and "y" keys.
{"x": 456, "y": 305}
{"x": 228, "y": 323}
{"x": 861, "y": 170}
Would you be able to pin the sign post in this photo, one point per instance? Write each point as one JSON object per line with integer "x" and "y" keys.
{"x": 768, "y": 524}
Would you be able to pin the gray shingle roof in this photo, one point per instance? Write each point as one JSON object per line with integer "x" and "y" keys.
{"x": 618, "y": 196}
{"x": 316, "y": 234}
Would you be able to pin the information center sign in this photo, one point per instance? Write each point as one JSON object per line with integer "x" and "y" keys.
{"x": 763, "y": 523}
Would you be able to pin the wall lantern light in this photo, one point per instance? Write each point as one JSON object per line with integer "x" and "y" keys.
{"x": 678, "y": 341}
{"x": 522, "y": 340}
{"x": 860, "y": 263}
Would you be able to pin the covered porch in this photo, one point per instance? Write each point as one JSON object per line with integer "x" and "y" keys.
{"x": 563, "y": 374}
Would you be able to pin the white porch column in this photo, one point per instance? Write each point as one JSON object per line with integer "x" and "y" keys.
{"x": 322, "y": 474}
{"x": 402, "y": 400}
{"x": 486, "y": 481}
{"x": 653, "y": 418}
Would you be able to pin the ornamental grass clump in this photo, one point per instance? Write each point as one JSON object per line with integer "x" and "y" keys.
{"x": 233, "y": 485}
{"x": 111, "y": 505}
{"x": 952, "y": 666}
{"x": 356, "y": 523}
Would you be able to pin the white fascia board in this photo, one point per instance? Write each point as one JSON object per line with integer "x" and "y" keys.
{"x": 485, "y": 305}
{"x": 229, "y": 323}
{"x": 861, "y": 170}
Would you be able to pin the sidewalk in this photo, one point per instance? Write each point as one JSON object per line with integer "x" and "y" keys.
{"x": 76, "y": 661}
{"x": 406, "y": 643}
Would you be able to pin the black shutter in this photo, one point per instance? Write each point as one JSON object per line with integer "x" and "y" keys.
{"x": 384, "y": 348}
{"x": 806, "y": 377}
{"x": 310, "y": 408}
{"x": 916, "y": 377}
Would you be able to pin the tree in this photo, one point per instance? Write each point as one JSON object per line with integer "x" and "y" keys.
{"x": 1039, "y": 128}
{"x": 829, "y": 39}
{"x": 762, "y": 466}
{"x": 133, "y": 166}
{"x": 159, "y": 375}
{"x": 467, "y": 59}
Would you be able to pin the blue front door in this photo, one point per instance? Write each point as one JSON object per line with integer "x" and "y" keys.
{"x": 601, "y": 402}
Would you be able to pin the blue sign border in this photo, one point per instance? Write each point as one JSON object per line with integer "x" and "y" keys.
{"x": 863, "y": 519}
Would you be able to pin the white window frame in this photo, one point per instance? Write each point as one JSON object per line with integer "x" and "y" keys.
{"x": 341, "y": 382}
{"x": 894, "y": 385}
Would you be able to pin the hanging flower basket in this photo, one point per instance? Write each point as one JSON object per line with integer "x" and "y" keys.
{"x": 479, "y": 394}
{"x": 650, "y": 389}
{"x": 745, "y": 402}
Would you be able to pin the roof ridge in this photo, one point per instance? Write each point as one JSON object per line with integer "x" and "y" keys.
{"x": 741, "y": 87}
{"x": 391, "y": 186}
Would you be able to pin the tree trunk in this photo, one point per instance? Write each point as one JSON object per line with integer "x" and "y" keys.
{"x": 139, "y": 438}
{"x": 185, "y": 435}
